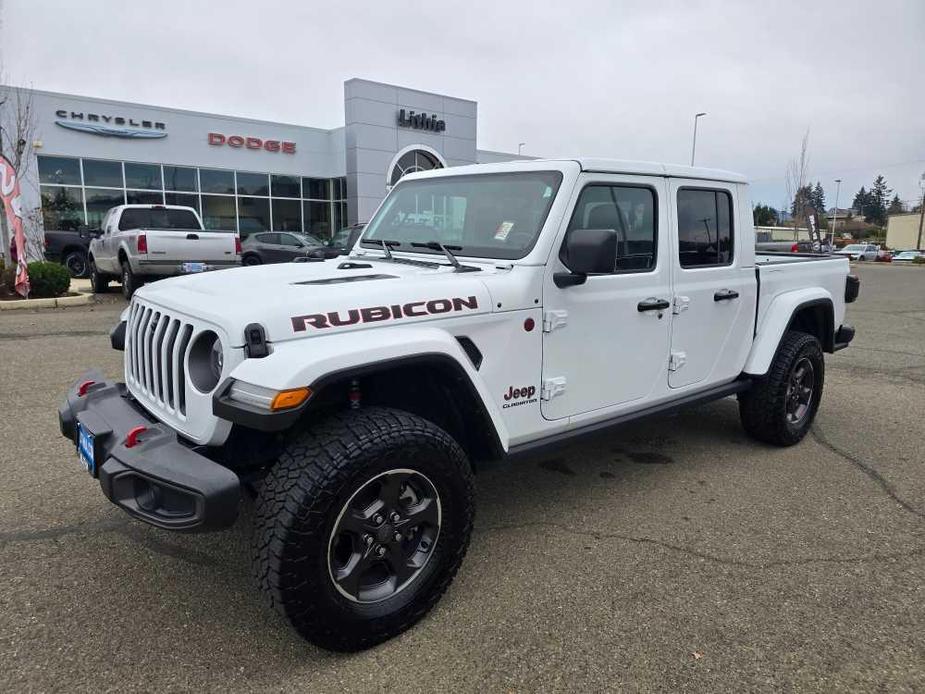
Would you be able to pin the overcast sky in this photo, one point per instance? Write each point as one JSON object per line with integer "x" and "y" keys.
{"x": 611, "y": 79}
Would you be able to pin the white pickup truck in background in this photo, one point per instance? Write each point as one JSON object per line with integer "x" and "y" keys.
{"x": 145, "y": 242}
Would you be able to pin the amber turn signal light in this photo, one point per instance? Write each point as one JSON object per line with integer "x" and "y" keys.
{"x": 287, "y": 399}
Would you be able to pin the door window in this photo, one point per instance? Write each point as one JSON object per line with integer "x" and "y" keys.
{"x": 704, "y": 227}
{"x": 630, "y": 212}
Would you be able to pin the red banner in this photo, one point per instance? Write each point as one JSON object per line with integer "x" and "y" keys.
{"x": 12, "y": 203}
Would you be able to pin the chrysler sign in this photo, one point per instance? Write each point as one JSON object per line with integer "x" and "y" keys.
{"x": 107, "y": 125}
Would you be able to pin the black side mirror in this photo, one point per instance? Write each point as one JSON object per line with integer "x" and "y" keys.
{"x": 587, "y": 252}
{"x": 90, "y": 233}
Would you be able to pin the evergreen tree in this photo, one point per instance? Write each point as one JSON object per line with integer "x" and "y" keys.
{"x": 818, "y": 199}
{"x": 877, "y": 200}
{"x": 896, "y": 206}
{"x": 801, "y": 200}
{"x": 765, "y": 216}
{"x": 861, "y": 201}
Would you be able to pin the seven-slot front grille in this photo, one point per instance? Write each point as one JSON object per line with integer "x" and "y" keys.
{"x": 156, "y": 345}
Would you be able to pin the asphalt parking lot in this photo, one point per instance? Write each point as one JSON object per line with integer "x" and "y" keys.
{"x": 671, "y": 555}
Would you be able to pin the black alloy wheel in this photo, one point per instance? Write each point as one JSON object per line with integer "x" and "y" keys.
{"x": 384, "y": 536}
{"x": 800, "y": 390}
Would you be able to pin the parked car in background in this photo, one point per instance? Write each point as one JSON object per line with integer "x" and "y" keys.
{"x": 908, "y": 256}
{"x": 70, "y": 248}
{"x": 860, "y": 251}
{"x": 278, "y": 247}
{"x": 139, "y": 243}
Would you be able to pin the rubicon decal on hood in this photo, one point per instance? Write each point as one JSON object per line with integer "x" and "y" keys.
{"x": 373, "y": 314}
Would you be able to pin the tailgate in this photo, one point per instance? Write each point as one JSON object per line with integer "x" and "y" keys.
{"x": 198, "y": 246}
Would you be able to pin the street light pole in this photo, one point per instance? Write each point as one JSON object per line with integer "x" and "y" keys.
{"x": 918, "y": 243}
{"x": 835, "y": 216}
{"x": 694, "y": 144}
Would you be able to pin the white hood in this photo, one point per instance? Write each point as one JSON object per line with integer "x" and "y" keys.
{"x": 295, "y": 300}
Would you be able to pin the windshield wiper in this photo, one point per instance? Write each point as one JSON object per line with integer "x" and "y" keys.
{"x": 437, "y": 246}
{"x": 386, "y": 245}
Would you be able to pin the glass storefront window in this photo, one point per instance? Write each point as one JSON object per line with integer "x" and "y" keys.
{"x": 144, "y": 197}
{"x": 103, "y": 173}
{"x": 145, "y": 176}
{"x": 180, "y": 178}
{"x": 340, "y": 216}
{"x": 285, "y": 187}
{"x": 287, "y": 215}
{"x": 253, "y": 215}
{"x": 185, "y": 199}
{"x": 317, "y": 218}
{"x": 59, "y": 170}
{"x": 216, "y": 181}
{"x": 316, "y": 188}
{"x": 253, "y": 183}
{"x": 218, "y": 212}
{"x": 62, "y": 208}
{"x": 99, "y": 200}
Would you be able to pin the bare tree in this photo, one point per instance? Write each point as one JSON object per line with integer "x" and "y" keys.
{"x": 796, "y": 176}
{"x": 17, "y": 136}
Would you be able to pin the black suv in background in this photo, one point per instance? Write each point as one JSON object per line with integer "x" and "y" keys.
{"x": 70, "y": 249}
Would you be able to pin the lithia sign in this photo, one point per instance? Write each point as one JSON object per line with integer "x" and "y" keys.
{"x": 110, "y": 126}
{"x": 420, "y": 121}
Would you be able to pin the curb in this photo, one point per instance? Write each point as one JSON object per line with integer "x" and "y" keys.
{"x": 60, "y": 302}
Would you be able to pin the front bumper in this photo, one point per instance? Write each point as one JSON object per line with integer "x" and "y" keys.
{"x": 158, "y": 479}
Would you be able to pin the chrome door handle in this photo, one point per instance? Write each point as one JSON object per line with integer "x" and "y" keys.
{"x": 651, "y": 304}
{"x": 725, "y": 295}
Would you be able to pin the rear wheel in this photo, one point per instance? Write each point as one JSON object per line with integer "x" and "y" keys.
{"x": 780, "y": 407}
{"x": 361, "y": 526}
{"x": 251, "y": 259}
{"x": 76, "y": 263}
{"x": 99, "y": 282}
{"x": 130, "y": 281}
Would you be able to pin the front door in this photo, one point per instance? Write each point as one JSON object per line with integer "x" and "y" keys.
{"x": 714, "y": 285}
{"x": 605, "y": 342}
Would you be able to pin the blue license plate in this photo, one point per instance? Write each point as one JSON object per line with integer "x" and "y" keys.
{"x": 194, "y": 267}
{"x": 85, "y": 449}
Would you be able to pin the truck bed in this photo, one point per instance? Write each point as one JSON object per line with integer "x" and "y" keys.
{"x": 785, "y": 273}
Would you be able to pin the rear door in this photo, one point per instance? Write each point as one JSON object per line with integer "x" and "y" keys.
{"x": 714, "y": 284}
{"x": 605, "y": 342}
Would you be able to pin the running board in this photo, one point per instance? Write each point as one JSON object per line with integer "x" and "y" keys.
{"x": 564, "y": 437}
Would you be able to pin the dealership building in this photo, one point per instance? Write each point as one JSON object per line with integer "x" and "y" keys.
{"x": 242, "y": 175}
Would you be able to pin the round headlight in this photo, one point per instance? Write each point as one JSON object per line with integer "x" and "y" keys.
{"x": 206, "y": 361}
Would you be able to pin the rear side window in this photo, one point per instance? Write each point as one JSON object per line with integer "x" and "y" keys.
{"x": 628, "y": 210}
{"x": 163, "y": 218}
{"x": 704, "y": 227}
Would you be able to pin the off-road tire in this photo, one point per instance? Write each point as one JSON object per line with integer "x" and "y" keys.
{"x": 763, "y": 408}
{"x": 130, "y": 281}
{"x": 99, "y": 282}
{"x": 298, "y": 505}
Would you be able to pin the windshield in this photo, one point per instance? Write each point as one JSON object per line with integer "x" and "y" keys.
{"x": 482, "y": 215}
{"x": 308, "y": 239}
{"x": 158, "y": 218}
{"x": 854, "y": 247}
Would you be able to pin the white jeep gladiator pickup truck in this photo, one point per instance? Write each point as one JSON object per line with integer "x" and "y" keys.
{"x": 138, "y": 243}
{"x": 487, "y": 311}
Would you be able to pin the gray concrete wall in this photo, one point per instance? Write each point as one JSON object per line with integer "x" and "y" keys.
{"x": 374, "y": 139}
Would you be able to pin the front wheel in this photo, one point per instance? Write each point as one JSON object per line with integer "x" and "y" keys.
{"x": 780, "y": 408}
{"x": 99, "y": 283}
{"x": 130, "y": 281}
{"x": 361, "y": 526}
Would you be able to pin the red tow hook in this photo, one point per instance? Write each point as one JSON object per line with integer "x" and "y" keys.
{"x": 131, "y": 438}
{"x": 84, "y": 387}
